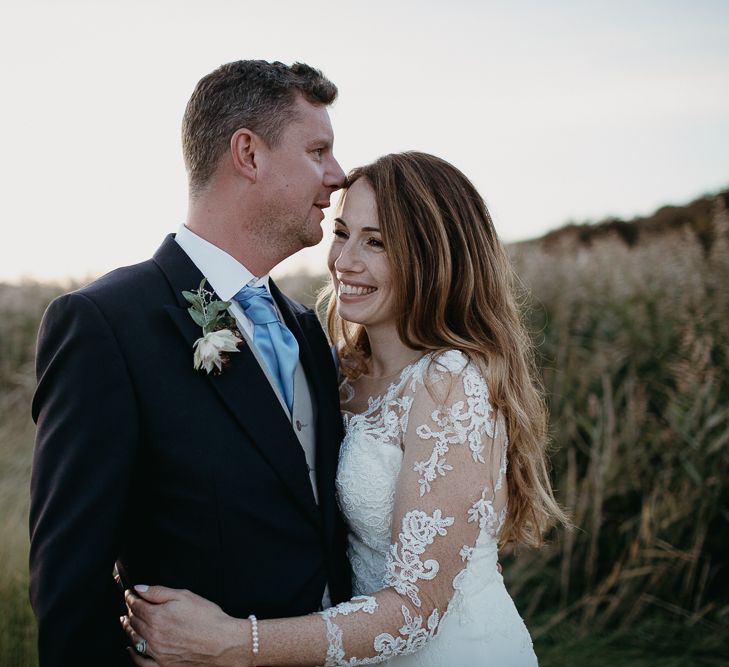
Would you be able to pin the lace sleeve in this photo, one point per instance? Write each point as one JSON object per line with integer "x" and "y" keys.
{"x": 450, "y": 488}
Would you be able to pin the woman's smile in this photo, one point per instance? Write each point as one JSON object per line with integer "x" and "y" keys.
{"x": 352, "y": 292}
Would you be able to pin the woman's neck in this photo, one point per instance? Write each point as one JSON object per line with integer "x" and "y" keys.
{"x": 389, "y": 354}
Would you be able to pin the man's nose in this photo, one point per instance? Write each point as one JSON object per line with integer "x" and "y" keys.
{"x": 335, "y": 175}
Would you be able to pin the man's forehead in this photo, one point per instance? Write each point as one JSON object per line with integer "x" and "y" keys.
{"x": 312, "y": 118}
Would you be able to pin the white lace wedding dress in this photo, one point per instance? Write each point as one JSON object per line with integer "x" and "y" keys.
{"x": 422, "y": 485}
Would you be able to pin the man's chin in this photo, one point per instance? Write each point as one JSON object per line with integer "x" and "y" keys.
{"x": 314, "y": 238}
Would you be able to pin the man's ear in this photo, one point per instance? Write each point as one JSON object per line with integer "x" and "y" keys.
{"x": 243, "y": 147}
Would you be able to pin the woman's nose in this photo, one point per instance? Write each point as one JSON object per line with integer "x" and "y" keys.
{"x": 348, "y": 259}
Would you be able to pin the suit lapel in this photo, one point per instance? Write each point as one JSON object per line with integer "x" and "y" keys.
{"x": 242, "y": 386}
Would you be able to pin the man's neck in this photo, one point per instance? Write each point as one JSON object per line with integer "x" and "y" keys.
{"x": 227, "y": 228}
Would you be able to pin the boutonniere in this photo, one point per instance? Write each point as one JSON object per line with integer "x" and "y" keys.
{"x": 220, "y": 334}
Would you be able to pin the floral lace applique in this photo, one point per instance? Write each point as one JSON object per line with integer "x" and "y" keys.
{"x": 335, "y": 644}
{"x": 466, "y": 553}
{"x": 365, "y": 603}
{"x": 412, "y": 635}
{"x": 483, "y": 511}
{"x": 405, "y": 568}
{"x": 457, "y": 427}
{"x": 335, "y": 650}
{"x": 386, "y": 416}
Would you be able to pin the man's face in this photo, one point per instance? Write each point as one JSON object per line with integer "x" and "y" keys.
{"x": 300, "y": 176}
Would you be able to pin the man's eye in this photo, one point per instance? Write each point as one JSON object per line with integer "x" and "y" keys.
{"x": 319, "y": 152}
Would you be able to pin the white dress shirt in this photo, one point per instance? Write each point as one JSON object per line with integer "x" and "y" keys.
{"x": 225, "y": 274}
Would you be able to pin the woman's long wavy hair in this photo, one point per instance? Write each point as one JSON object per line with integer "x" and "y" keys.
{"x": 453, "y": 288}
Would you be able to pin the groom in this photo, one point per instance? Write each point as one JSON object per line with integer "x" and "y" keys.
{"x": 221, "y": 483}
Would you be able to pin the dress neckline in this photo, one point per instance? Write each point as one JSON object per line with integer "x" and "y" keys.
{"x": 397, "y": 373}
{"x": 375, "y": 401}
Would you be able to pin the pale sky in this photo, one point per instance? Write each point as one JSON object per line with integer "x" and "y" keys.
{"x": 557, "y": 110}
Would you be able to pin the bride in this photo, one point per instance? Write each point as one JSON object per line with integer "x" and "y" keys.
{"x": 443, "y": 460}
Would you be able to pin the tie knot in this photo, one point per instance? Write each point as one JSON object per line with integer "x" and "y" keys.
{"x": 257, "y": 304}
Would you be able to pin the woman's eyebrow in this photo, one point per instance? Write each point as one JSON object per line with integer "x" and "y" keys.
{"x": 364, "y": 229}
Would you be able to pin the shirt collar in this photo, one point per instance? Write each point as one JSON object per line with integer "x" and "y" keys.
{"x": 225, "y": 274}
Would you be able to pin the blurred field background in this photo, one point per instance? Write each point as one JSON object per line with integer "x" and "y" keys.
{"x": 631, "y": 322}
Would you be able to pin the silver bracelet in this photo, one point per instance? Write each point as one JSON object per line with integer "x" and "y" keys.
{"x": 254, "y": 634}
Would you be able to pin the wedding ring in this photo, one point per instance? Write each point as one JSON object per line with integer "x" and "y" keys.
{"x": 141, "y": 646}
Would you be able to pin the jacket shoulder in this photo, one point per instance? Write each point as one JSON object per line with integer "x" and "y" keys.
{"x": 123, "y": 281}
{"x": 116, "y": 295}
{"x": 296, "y": 307}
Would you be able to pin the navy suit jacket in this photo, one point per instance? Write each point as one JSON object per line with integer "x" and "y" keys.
{"x": 190, "y": 480}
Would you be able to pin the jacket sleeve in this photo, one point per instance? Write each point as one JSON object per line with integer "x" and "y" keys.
{"x": 87, "y": 438}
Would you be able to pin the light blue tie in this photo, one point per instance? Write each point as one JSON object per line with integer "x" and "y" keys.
{"x": 274, "y": 342}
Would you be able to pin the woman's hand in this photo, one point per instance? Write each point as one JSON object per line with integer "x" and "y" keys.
{"x": 181, "y": 628}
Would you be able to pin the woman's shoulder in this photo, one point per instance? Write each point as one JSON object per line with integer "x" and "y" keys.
{"x": 449, "y": 361}
{"x": 457, "y": 368}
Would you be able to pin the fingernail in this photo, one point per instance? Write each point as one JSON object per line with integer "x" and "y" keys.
{"x": 142, "y": 588}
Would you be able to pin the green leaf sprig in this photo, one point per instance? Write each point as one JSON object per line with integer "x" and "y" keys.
{"x": 208, "y": 313}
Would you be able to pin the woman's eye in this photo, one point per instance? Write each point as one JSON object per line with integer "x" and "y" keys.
{"x": 375, "y": 243}
{"x": 340, "y": 233}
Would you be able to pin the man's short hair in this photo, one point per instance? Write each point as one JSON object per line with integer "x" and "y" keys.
{"x": 254, "y": 94}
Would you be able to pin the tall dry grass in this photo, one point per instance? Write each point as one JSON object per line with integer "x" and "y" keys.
{"x": 634, "y": 350}
{"x": 21, "y": 308}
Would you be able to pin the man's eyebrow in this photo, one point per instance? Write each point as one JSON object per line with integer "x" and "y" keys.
{"x": 326, "y": 142}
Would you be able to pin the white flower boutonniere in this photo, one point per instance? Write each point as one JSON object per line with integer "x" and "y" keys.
{"x": 220, "y": 334}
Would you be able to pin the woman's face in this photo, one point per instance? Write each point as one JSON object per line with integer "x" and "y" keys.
{"x": 358, "y": 261}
